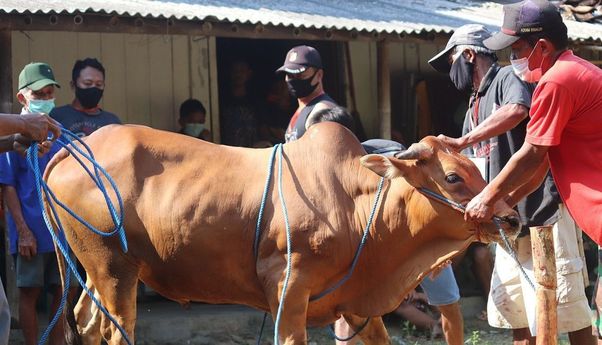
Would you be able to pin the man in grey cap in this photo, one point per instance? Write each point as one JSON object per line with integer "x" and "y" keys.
{"x": 304, "y": 73}
{"x": 494, "y": 129}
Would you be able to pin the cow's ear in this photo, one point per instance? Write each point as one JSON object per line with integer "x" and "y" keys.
{"x": 386, "y": 167}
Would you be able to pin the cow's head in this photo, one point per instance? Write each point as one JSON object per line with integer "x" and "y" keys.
{"x": 431, "y": 164}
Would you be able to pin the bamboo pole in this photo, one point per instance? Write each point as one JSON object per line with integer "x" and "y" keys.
{"x": 544, "y": 267}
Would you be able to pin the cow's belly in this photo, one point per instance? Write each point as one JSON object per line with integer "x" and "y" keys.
{"x": 212, "y": 266}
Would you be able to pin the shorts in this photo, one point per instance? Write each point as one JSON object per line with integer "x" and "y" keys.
{"x": 506, "y": 306}
{"x": 40, "y": 270}
{"x": 443, "y": 289}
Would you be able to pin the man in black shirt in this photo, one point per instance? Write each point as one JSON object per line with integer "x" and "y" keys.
{"x": 304, "y": 73}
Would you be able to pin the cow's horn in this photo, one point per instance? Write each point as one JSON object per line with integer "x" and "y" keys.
{"x": 416, "y": 151}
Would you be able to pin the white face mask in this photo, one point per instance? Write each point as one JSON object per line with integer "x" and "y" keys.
{"x": 194, "y": 129}
{"x": 521, "y": 69}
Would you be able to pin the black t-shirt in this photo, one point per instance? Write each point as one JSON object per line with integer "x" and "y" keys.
{"x": 500, "y": 87}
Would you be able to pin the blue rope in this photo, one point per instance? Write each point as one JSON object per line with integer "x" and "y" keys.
{"x": 358, "y": 251}
{"x": 263, "y": 201}
{"x": 288, "y": 247}
{"x": 278, "y": 149}
{"x": 60, "y": 239}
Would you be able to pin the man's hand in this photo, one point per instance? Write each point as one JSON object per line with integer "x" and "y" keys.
{"x": 457, "y": 144}
{"x": 28, "y": 246}
{"x": 21, "y": 144}
{"x": 37, "y": 126}
{"x": 479, "y": 209}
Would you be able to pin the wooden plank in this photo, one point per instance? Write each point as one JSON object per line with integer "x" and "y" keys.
{"x": 63, "y": 56}
{"x": 180, "y": 51}
{"x": 201, "y": 79}
{"x": 426, "y": 52}
{"x": 363, "y": 65}
{"x": 137, "y": 79}
{"x": 544, "y": 267}
{"x": 20, "y": 57}
{"x": 112, "y": 47}
{"x": 213, "y": 96}
{"x": 384, "y": 91}
{"x": 411, "y": 56}
{"x": 88, "y": 45}
{"x": 160, "y": 74}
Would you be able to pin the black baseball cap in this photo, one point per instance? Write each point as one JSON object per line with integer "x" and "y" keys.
{"x": 523, "y": 19}
{"x": 299, "y": 58}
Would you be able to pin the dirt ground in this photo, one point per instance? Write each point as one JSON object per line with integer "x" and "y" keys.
{"x": 168, "y": 324}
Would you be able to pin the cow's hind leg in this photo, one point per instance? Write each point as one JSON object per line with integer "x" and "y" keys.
{"x": 87, "y": 315}
{"x": 374, "y": 333}
{"x": 118, "y": 296}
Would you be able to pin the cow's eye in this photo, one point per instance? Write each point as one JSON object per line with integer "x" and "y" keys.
{"x": 453, "y": 178}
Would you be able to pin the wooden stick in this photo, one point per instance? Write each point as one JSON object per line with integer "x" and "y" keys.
{"x": 544, "y": 267}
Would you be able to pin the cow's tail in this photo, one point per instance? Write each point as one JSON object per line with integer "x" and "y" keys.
{"x": 72, "y": 336}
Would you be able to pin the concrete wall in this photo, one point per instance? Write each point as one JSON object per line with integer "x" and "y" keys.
{"x": 147, "y": 76}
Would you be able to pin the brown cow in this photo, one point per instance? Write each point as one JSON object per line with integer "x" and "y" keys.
{"x": 191, "y": 208}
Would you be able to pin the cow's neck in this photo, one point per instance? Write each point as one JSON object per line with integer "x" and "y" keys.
{"x": 395, "y": 258}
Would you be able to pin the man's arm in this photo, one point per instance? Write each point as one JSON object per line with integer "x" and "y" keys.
{"x": 502, "y": 120}
{"x": 521, "y": 167}
{"x": 27, "y": 242}
{"x": 33, "y": 126}
{"x": 530, "y": 186}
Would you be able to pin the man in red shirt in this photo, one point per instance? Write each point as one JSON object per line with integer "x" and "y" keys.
{"x": 565, "y": 129}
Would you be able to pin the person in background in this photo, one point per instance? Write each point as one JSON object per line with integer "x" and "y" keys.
{"x": 29, "y": 127}
{"x": 238, "y": 108}
{"x": 84, "y": 115}
{"x": 29, "y": 240}
{"x": 494, "y": 131}
{"x": 192, "y": 119}
{"x": 303, "y": 72}
{"x": 277, "y": 112}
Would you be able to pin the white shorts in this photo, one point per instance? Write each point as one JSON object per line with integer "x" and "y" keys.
{"x": 505, "y": 305}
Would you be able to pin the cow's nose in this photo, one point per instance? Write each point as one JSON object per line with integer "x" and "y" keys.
{"x": 512, "y": 221}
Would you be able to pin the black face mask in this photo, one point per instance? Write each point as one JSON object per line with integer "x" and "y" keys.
{"x": 461, "y": 73}
{"x": 89, "y": 97}
{"x": 300, "y": 88}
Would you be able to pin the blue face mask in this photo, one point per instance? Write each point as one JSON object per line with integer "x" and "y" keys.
{"x": 40, "y": 105}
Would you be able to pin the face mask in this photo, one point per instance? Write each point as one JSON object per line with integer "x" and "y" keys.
{"x": 40, "y": 105}
{"x": 521, "y": 68}
{"x": 461, "y": 73}
{"x": 89, "y": 97}
{"x": 194, "y": 129}
{"x": 300, "y": 88}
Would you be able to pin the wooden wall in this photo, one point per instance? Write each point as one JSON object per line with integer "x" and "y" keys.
{"x": 147, "y": 76}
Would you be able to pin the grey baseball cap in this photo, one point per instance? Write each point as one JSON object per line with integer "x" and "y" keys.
{"x": 469, "y": 34}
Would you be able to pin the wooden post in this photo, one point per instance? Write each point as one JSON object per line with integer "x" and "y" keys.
{"x": 6, "y": 104}
{"x": 544, "y": 267}
{"x": 384, "y": 90}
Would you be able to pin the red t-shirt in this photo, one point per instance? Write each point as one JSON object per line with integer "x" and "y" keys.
{"x": 566, "y": 114}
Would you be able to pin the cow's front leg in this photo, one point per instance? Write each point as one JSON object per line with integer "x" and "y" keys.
{"x": 293, "y": 319}
{"x": 374, "y": 333}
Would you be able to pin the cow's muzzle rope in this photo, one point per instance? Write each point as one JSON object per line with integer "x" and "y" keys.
{"x": 496, "y": 220}
{"x": 278, "y": 150}
{"x": 66, "y": 141}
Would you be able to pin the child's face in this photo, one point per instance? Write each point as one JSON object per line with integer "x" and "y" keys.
{"x": 196, "y": 117}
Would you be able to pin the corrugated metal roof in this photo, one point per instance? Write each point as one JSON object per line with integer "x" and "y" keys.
{"x": 385, "y": 16}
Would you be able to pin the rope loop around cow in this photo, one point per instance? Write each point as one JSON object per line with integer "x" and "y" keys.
{"x": 66, "y": 141}
{"x": 278, "y": 150}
